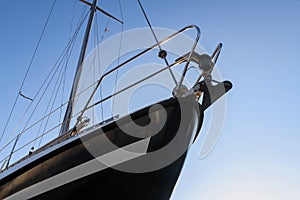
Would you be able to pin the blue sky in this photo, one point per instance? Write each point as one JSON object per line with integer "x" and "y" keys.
{"x": 257, "y": 156}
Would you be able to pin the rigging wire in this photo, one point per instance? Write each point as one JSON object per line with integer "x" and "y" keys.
{"x": 156, "y": 39}
{"x": 65, "y": 56}
{"x": 54, "y": 100}
{"x": 90, "y": 70}
{"x": 70, "y": 45}
{"x": 106, "y": 29}
{"x": 79, "y": 23}
{"x": 55, "y": 68}
{"x": 119, "y": 55}
{"x": 43, "y": 118}
{"x": 94, "y": 63}
{"x": 60, "y": 59}
{"x": 96, "y": 41}
{"x": 54, "y": 95}
{"x": 67, "y": 61}
{"x": 98, "y": 58}
{"x": 28, "y": 69}
{"x": 62, "y": 94}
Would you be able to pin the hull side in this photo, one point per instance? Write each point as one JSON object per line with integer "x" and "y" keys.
{"x": 110, "y": 183}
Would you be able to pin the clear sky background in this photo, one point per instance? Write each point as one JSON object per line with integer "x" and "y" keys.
{"x": 257, "y": 156}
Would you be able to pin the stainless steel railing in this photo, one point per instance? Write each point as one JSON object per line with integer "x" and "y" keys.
{"x": 5, "y": 161}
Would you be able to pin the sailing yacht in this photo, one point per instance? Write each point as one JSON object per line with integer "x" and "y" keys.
{"x": 138, "y": 155}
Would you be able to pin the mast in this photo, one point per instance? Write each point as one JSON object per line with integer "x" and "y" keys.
{"x": 68, "y": 115}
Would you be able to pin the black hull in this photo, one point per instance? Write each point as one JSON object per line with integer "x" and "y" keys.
{"x": 33, "y": 179}
{"x": 111, "y": 184}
